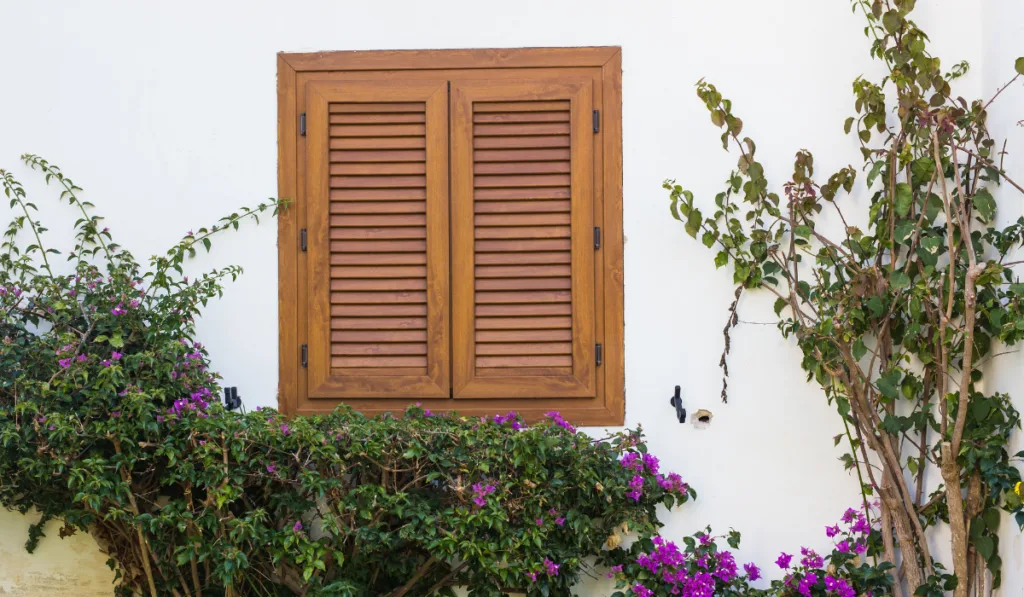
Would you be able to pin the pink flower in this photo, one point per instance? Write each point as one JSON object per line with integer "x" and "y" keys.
{"x": 560, "y": 521}
{"x": 551, "y": 568}
{"x": 753, "y": 572}
{"x": 116, "y": 356}
{"x": 271, "y": 468}
{"x": 298, "y": 526}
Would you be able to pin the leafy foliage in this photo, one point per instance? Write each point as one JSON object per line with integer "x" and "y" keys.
{"x": 110, "y": 423}
{"x": 702, "y": 568}
{"x": 896, "y": 319}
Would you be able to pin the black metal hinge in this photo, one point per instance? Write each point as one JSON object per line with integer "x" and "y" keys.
{"x": 305, "y": 355}
{"x": 600, "y": 354}
{"x": 597, "y": 121}
{"x": 597, "y": 237}
{"x": 302, "y": 239}
{"x": 302, "y": 124}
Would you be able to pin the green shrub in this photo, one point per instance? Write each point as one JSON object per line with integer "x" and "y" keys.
{"x": 110, "y": 423}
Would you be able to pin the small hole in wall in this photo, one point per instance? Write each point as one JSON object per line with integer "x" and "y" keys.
{"x": 702, "y": 419}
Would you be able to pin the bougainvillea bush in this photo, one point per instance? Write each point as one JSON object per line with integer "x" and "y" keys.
{"x": 110, "y": 423}
{"x": 656, "y": 567}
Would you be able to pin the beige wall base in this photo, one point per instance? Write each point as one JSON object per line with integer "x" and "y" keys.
{"x": 71, "y": 567}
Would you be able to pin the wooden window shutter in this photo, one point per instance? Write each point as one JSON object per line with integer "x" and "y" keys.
{"x": 377, "y": 216}
{"x": 443, "y": 242}
{"x": 522, "y": 233}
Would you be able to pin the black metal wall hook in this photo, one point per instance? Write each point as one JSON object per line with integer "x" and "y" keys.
{"x": 677, "y": 401}
{"x": 231, "y": 399}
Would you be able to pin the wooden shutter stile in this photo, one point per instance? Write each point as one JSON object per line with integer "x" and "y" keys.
{"x": 377, "y": 219}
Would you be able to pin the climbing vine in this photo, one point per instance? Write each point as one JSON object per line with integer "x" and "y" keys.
{"x": 898, "y": 309}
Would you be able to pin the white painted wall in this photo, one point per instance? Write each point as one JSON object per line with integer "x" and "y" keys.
{"x": 1003, "y": 39}
{"x": 166, "y": 115}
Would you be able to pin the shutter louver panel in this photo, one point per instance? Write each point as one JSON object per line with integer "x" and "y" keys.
{"x": 522, "y": 201}
{"x": 534, "y": 228}
{"x": 379, "y": 244}
{"x": 378, "y": 240}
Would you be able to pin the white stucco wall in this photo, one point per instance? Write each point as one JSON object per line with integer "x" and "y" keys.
{"x": 166, "y": 115}
{"x": 1003, "y": 35}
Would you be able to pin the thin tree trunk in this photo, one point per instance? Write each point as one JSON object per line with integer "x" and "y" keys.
{"x": 958, "y": 528}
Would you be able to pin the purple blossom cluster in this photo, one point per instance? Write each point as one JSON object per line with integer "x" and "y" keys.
{"x": 510, "y": 417}
{"x": 695, "y": 573}
{"x": 649, "y": 464}
{"x": 641, "y": 463}
{"x": 704, "y": 570}
{"x": 66, "y": 356}
{"x": 636, "y": 488}
{"x": 804, "y": 577}
{"x": 197, "y": 402}
{"x": 673, "y": 482}
{"x": 481, "y": 492}
{"x": 557, "y": 419}
{"x": 114, "y": 356}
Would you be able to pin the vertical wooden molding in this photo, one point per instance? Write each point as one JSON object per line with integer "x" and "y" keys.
{"x": 287, "y": 239}
{"x": 614, "y": 299}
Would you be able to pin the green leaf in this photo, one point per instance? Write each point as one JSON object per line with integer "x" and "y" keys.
{"x": 693, "y": 222}
{"x": 849, "y": 125}
{"x": 985, "y": 204}
{"x": 899, "y": 280}
{"x": 1019, "y": 65}
{"x": 904, "y": 199}
{"x": 875, "y": 171}
{"x": 891, "y": 21}
{"x": 933, "y": 207}
{"x": 721, "y": 259}
{"x": 986, "y": 546}
{"x": 875, "y": 304}
{"x": 904, "y": 231}
{"x": 780, "y": 304}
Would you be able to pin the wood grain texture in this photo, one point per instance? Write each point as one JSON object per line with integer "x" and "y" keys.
{"x": 506, "y": 111}
{"x": 448, "y": 59}
{"x": 377, "y": 165}
{"x": 288, "y": 391}
{"x": 374, "y": 254}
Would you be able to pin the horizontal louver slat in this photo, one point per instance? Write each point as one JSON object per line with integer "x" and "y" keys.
{"x": 522, "y": 225}
{"x": 378, "y": 235}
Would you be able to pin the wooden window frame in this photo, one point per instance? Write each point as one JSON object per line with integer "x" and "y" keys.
{"x": 609, "y": 409}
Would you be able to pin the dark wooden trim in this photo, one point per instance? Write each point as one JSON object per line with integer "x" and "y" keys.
{"x": 449, "y": 59}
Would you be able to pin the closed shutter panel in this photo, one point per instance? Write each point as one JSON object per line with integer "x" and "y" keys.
{"x": 377, "y": 188}
{"x": 522, "y": 239}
